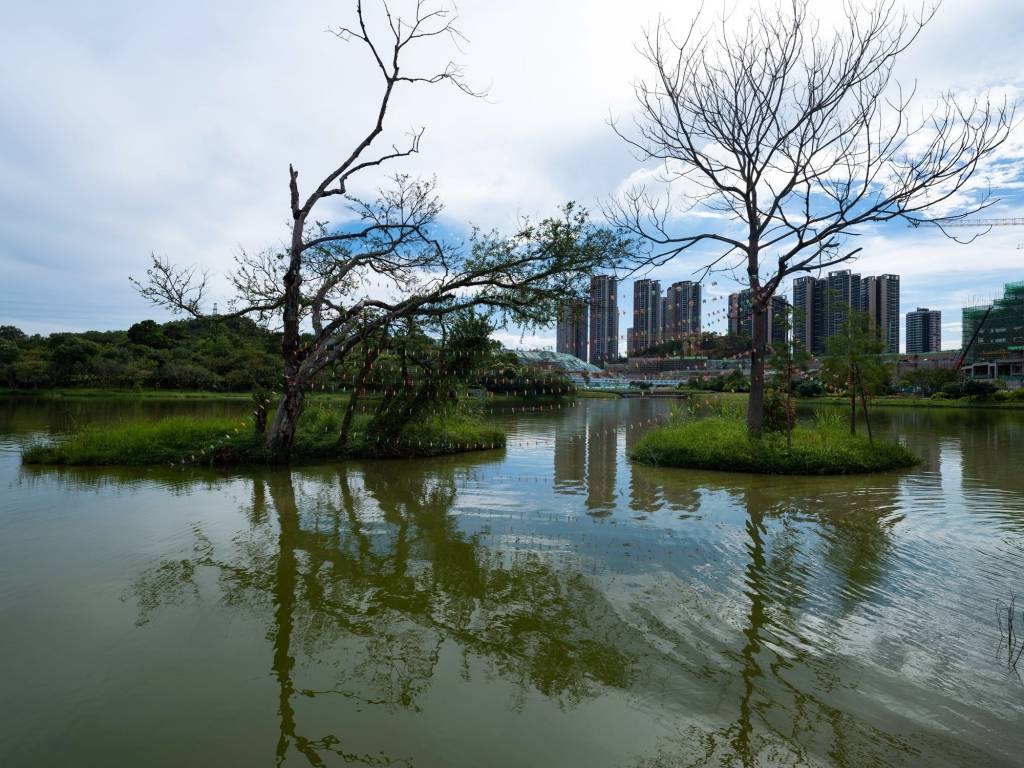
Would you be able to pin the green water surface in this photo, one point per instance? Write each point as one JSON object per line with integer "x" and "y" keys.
{"x": 549, "y": 604}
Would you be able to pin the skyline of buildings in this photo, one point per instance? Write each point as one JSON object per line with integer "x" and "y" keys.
{"x": 589, "y": 329}
{"x": 658, "y": 319}
{"x": 821, "y": 305}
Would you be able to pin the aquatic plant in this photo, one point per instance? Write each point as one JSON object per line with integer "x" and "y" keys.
{"x": 1009, "y": 634}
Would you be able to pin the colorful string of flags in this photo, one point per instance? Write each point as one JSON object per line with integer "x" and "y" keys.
{"x": 208, "y": 452}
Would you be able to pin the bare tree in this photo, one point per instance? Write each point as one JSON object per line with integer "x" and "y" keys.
{"x": 791, "y": 138}
{"x": 331, "y": 279}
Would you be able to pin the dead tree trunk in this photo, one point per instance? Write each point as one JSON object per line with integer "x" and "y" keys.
{"x": 853, "y": 402}
{"x": 864, "y": 405}
{"x": 755, "y": 403}
{"x": 789, "y": 397}
{"x": 281, "y": 435}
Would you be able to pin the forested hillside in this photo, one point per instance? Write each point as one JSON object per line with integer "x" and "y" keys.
{"x": 232, "y": 355}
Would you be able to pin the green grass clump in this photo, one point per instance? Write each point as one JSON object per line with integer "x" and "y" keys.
{"x": 430, "y": 436}
{"x": 722, "y": 443}
{"x": 138, "y": 443}
{"x": 227, "y": 441}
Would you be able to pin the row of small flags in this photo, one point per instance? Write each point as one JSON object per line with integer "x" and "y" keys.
{"x": 211, "y": 450}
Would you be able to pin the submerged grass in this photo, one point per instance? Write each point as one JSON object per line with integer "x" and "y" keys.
{"x": 722, "y": 443}
{"x": 225, "y": 441}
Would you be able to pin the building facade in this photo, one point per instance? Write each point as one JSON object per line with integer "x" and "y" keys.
{"x": 803, "y": 312}
{"x": 572, "y": 337}
{"x": 842, "y": 295}
{"x": 741, "y": 317}
{"x": 821, "y": 306}
{"x": 647, "y": 315}
{"x": 999, "y": 326}
{"x": 810, "y": 318}
{"x": 604, "y": 319}
{"x": 880, "y": 298}
{"x": 924, "y": 331}
{"x": 681, "y": 317}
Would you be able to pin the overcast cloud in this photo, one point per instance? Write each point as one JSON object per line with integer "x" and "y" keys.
{"x": 135, "y": 127}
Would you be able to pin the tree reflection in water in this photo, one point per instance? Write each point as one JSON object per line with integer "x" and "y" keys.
{"x": 768, "y": 627}
{"x": 810, "y": 560}
{"x": 376, "y": 555}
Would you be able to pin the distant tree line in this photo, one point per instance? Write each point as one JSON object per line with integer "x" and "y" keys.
{"x": 226, "y": 355}
{"x": 237, "y": 355}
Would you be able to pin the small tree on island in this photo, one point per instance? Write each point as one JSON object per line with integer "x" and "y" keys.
{"x": 337, "y": 280}
{"x": 787, "y": 359}
{"x": 854, "y": 363}
{"x": 791, "y": 138}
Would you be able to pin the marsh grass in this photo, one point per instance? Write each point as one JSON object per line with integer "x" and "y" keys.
{"x": 224, "y": 441}
{"x": 721, "y": 442}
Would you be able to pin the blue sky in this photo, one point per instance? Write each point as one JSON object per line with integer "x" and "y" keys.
{"x": 131, "y": 128}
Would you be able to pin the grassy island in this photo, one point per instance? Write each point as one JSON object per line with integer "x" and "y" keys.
{"x": 722, "y": 443}
{"x": 229, "y": 441}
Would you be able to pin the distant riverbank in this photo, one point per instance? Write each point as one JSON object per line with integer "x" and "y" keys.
{"x": 911, "y": 401}
{"x": 71, "y": 393}
{"x": 95, "y": 393}
{"x": 882, "y": 401}
{"x": 90, "y": 393}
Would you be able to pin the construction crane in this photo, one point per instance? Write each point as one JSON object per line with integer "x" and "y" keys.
{"x": 971, "y": 223}
{"x": 963, "y": 353}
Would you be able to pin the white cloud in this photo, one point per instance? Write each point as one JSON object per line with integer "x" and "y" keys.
{"x": 129, "y": 128}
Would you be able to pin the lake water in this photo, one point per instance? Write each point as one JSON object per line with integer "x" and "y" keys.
{"x": 548, "y": 604}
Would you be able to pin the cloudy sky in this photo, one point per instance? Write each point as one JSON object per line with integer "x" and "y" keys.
{"x": 131, "y": 128}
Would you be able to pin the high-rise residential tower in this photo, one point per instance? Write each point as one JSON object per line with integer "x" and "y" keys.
{"x": 604, "y": 319}
{"x": 880, "y": 298}
{"x": 647, "y": 316}
{"x": 924, "y": 331}
{"x": 843, "y": 294}
{"x": 821, "y": 306}
{"x": 741, "y": 317}
{"x": 682, "y": 310}
{"x": 572, "y": 337}
{"x": 808, "y": 314}
{"x": 739, "y": 313}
